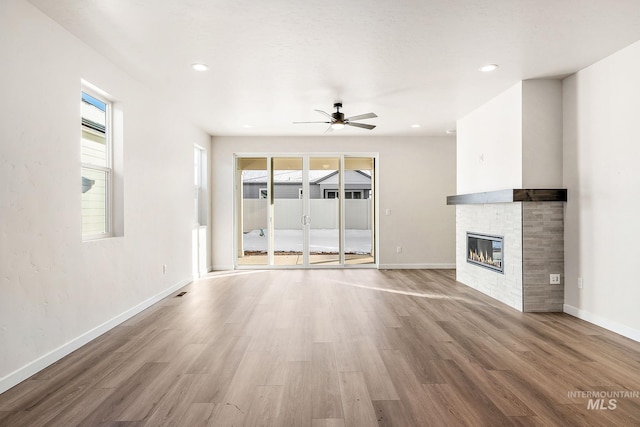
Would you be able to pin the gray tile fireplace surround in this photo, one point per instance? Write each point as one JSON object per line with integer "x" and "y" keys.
{"x": 532, "y": 225}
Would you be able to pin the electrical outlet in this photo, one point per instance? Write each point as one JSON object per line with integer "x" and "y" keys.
{"x": 387, "y": 211}
{"x": 164, "y": 268}
{"x": 399, "y": 249}
{"x": 580, "y": 284}
{"x": 554, "y": 279}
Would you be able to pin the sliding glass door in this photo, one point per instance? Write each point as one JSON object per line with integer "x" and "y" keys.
{"x": 324, "y": 210}
{"x": 252, "y": 211}
{"x": 288, "y": 213}
{"x": 359, "y": 218}
{"x": 305, "y": 211}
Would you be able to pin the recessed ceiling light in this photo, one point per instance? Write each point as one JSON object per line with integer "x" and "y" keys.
{"x": 450, "y": 131}
{"x": 415, "y": 126}
{"x": 489, "y": 67}
{"x": 247, "y": 126}
{"x": 200, "y": 67}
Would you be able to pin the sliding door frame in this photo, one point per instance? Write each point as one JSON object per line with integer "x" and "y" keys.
{"x": 269, "y": 156}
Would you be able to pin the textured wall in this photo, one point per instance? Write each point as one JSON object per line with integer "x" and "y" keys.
{"x": 543, "y": 254}
{"x": 501, "y": 219}
{"x": 58, "y": 291}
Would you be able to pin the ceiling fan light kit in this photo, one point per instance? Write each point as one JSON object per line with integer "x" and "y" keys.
{"x": 338, "y": 121}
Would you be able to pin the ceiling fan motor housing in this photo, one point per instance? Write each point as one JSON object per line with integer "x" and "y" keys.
{"x": 338, "y": 115}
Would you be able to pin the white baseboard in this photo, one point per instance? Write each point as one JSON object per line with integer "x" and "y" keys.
{"x": 222, "y": 267}
{"x": 444, "y": 266}
{"x": 53, "y": 356}
{"x": 618, "y": 328}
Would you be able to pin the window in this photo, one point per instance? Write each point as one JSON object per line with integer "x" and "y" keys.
{"x": 97, "y": 172}
{"x": 330, "y": 194}
{"x": 348, "y": 194}
{"x": 200, "y": 186}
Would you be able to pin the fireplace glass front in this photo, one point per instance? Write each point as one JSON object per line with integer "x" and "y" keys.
{"x": 485, "y": 250}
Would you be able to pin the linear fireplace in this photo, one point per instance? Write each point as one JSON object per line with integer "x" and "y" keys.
{"x": 485, "y": 250}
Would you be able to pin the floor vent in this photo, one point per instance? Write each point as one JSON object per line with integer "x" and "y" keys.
{"x": 181, "y": 294}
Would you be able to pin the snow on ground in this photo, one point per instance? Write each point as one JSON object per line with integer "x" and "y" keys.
{"x": 356, "y": 241}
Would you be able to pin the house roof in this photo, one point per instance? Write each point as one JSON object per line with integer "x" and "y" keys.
{"x": 351, "y": 176}
{"x": 282, "y": 176}
{"x": 410, "y": 62}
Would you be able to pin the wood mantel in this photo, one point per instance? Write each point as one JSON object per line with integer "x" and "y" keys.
{"x": 510, "y": 196}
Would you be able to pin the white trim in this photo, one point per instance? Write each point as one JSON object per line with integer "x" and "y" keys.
{"x": 610, "y": 325}
{"x": 342, "y": 213}
{"x": 443, "y": 266}
{"x": 222, "y": 267}
{"x": 53, "y": 356}
{"x": 96, "y": 90}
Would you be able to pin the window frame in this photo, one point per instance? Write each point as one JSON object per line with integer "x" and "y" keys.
{"x": 328, "y": 192}
{"x": 352, "y": 193}
{"x": 108, "y": 168}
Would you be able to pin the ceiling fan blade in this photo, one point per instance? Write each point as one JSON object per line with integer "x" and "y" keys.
{"x": 360, "y": 125}
{"x": 329, "y": 130}
{"x": 296, "y": 123}
{"x": 363, "y": 116}
{"x": 325, "y": 113}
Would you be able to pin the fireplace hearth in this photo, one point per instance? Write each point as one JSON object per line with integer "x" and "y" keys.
{"x": 485, "y": 251}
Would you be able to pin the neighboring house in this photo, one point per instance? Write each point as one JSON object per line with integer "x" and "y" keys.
{"x": 94, "y": 158}
{"x": 322, "y": 184}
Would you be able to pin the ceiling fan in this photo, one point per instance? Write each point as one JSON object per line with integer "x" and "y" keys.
{"x": 338, "y": 121}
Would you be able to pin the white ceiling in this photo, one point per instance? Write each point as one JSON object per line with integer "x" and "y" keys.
{"x": 273, "y": 62}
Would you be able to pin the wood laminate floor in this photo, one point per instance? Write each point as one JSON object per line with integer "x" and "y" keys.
{"x": 336, "y": 348}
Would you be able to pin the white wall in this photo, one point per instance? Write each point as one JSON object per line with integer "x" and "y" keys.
{"x": 58, "y": 292}
{"x": 542, "y": 133}
{"x": 601, "y": 153}
{"x": 416, "y": 174}
{"x": 490, "y": 145}
{"x": 513, "y": 141}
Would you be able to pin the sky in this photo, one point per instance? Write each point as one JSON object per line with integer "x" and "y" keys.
{"x": 93, "y": 101}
